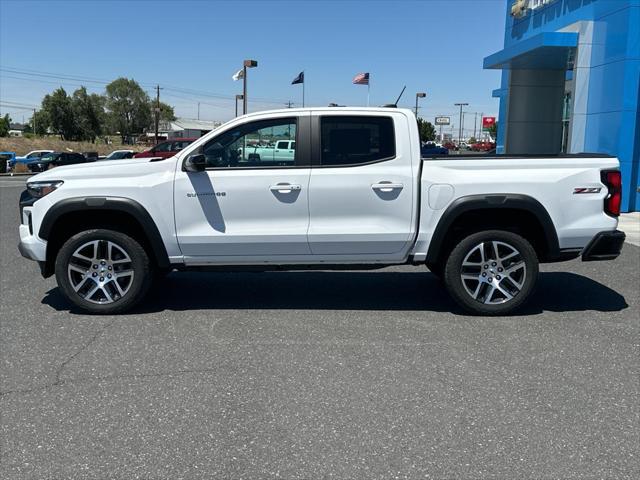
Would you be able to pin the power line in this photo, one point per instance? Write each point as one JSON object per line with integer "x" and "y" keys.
{"x": 75, "y": 78}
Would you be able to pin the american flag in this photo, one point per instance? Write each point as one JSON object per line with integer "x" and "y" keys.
{"x": 361, "y": 79}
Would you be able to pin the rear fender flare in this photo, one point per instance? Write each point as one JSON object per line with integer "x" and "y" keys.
{"x": 493, "y": 201}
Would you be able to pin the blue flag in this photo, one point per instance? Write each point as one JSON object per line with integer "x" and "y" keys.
{"x": 298, "y": 79}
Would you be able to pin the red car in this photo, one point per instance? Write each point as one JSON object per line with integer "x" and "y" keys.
{"x": 450, "y": 146}
{"x": 483, "y": 146}
{"x": 166, "y": 149}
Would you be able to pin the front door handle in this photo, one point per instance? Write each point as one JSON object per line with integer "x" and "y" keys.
{"x": 285, "y": 188}
{"x": 387, "y": 187}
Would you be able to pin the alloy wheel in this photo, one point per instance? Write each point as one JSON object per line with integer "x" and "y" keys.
{"x": 100, "y": 271}
{"x": 493, "y": 272}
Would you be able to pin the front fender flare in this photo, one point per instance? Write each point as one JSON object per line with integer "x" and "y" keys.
{"x": 119, "y": 204}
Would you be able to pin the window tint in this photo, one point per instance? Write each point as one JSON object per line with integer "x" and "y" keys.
{"x": 253, "y": 145}
{"x": 163, "y": 147}
{"x": 177, "y": 146}
{"x": 355, "y": 140}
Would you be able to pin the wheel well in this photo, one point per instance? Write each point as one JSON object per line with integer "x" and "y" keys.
{"x": 520, "y": 221}
{"x": 78, "y": 221}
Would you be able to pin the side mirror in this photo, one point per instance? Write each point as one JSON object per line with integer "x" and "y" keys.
{"x": 195, "y": 163}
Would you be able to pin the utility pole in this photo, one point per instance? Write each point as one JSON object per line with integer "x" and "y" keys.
{"x": 35, "y": 131}
{"x": 289, "y": 104}
{"x": 460, "y": 128}
{"x": 475, "y": 123}
{"x": 157, "y": 122}
{"x": 198, "y": 110}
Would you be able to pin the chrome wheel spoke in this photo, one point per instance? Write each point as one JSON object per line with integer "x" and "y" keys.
{"x": 91, "y": 292}
{"x": 124, "y": 273}
{"x": 76, "y": 268}
{"x": 80, "y": 284}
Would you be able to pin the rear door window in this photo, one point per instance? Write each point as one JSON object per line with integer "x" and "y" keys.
{"x": 357, "y": 140}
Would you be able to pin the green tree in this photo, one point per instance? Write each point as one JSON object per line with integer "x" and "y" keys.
{"x": 40, "y": 122}
{"x": 427, "y": 130}
{"x": 493, "y": 131}
{"x": 59, "y": 110}
{"x": 166, "y": 112}
{"x": 128, "y": 107}
{"x": 5, "y": 124}
{"x": 88, "y": 111}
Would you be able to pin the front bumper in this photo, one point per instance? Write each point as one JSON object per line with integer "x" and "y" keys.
{"x": 30, "y": 246}
{"x": 604, "y": 246}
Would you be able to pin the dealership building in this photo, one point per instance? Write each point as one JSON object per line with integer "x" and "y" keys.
{"x": 571, "y": 82}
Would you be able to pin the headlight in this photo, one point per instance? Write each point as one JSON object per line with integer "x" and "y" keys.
{"x": 40, "y": 189}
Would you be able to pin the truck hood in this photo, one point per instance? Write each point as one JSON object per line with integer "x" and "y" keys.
{"x": 106, "y": 169}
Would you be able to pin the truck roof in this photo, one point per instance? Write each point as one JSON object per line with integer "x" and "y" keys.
{"x": 333, "y": 109}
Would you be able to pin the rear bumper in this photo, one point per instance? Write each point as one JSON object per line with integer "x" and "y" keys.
{"x": 604, "y": 246}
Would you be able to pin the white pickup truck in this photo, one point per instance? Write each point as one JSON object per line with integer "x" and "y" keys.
{"x": 357, "y": 194}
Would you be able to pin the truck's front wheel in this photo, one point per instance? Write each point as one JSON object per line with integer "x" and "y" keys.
{"x": 103, "y": 271}
{"x": 491, "y": 272}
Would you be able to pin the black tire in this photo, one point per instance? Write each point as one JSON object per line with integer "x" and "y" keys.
{"x": 135, "y": 288}
{"x": 492, "y": 286}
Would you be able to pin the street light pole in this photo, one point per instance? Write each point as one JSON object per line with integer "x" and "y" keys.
{"x": 419, "y": 95}
{"x": 238, "y": 97}
{"x": 245, "y": 65}
{"x": 460, "y": 127}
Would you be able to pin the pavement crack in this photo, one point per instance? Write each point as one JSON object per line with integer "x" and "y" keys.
{"x": 63, "y": 365}
{"x": 57, "y": 380}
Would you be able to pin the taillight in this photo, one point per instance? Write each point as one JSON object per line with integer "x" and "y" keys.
{"x": 613, "y": 180}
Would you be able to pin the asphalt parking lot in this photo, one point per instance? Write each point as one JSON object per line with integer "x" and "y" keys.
{"x": 319, "y": 375}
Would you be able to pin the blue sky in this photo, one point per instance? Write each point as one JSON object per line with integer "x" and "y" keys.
{"x": 436, "y": 46}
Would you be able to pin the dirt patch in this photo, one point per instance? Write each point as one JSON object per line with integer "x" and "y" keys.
{"x": 23, "y": 145}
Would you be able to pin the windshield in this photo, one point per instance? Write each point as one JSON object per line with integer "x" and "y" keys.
{"x": 116, "y": 155}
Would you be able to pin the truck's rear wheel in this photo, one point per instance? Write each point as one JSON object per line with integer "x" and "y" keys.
{"x": 103, "y": 271}
{"x": 491, "y": 272}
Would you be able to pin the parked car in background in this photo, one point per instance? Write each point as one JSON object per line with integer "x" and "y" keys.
{"x": 29, "y": 157}
{"x": 483, "y": 146}
{"x": 5, "y": 159}
{"x": 91, "y": 156}
{"x": 57, "y": 159}
{"x": 282, "y": 151}
{"x": 166, "y": 149}
{"x": 119, "y": 155}
{"x": 431, "y": 148}
{"x": 450, "y": 146}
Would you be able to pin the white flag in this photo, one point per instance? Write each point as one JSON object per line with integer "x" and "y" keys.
{"x": 238, "y": 75}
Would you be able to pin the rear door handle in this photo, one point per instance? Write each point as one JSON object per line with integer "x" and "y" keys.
{"x": 285, "y": 188}
{"x": 387, "y": 187}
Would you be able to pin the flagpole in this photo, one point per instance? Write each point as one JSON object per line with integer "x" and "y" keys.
{"x": 303, "y": 82}
{"x": 368, "y": 89}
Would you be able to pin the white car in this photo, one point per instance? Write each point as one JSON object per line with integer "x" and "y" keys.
{"x": 357, "y": 194}
{"x": 119, "y": 155}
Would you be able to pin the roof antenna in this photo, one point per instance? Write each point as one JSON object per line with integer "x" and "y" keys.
{"x": 395, "y": 105}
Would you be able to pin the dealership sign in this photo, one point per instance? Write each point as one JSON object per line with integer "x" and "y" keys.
{"x": 488, "y": 123}
{"x": 443, "y": 120}
{"x": 520, "y": 8}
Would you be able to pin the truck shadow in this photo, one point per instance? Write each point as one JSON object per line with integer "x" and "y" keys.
{"x": 375, "y": 291}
